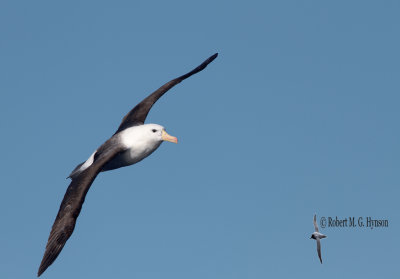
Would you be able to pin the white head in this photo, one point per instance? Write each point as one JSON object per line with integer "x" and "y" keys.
{"x": 145, "y": 138}
{"x": 155, "y": 132}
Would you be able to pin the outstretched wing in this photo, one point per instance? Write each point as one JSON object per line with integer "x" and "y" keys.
{"x": 319, "y": 249}
{"x": 138, "y": 114}
{"x": 315, "y": 223}
{"x": 72, "y": 203}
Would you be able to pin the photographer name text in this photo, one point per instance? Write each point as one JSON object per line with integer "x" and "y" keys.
{"x": 353, "y": 222}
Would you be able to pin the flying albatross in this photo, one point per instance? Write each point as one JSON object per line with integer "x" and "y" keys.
{"x": 317, "y": 236}
{"x": 131, "y": 143}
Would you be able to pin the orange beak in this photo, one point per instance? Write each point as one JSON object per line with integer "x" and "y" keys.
{"x": 166, "y": 137}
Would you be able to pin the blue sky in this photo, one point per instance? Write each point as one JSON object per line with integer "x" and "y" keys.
{"x": 298, "y": 115}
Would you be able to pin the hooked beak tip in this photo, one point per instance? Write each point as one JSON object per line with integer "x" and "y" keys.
{"x": 169, "y": 138}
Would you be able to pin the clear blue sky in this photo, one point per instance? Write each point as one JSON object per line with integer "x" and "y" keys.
{"x": 298, "y": 115}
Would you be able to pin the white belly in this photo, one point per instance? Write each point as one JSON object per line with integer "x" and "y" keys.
{"x": 138, "y": 144}
{"x": 130, "y": 157}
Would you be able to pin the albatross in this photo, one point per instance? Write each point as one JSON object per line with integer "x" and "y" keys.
{"x": 131, "y": 143}
{"x": 317, "y": 236}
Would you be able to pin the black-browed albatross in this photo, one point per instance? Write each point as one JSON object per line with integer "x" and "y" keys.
{"x": 317, "y": 236}
{"x": 131, "y": 143}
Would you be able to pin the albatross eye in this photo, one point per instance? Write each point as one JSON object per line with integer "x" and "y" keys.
{"x": 154, "y": 130}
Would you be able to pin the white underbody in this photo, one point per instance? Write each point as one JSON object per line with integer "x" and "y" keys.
{"x": 139, "y": 144}
{"x": 318, "y": 235}
{"x": 138, "y": 149}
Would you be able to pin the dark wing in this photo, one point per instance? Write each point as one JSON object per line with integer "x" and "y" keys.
{"x": 72, "y": 203}
{"x": 138, "y": 114}
{"x": 315, "y": 223}
{"x": 319, "y": 249}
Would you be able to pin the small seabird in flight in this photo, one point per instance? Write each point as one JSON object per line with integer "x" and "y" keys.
{"x": 131, "y": 143}
{"x": 317, "y": 236}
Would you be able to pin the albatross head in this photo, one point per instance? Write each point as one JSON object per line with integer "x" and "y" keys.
{"x": 157, "y": 132}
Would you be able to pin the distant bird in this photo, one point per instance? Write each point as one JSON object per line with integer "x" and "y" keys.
{"x": 317, "y": 236}
{"x": 131, "y": 143}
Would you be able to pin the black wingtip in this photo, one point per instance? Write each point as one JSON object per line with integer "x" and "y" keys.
{"x": 40, "y": 271}
{"x": 43, "y": 266}
{"x": 47, "y": 260}
{"x": 199, "y": 68}
{"x": 207, "y": 61}
{"x": 212, "y": 57}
